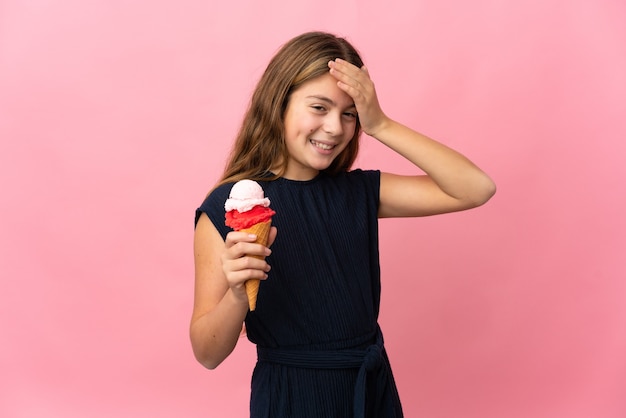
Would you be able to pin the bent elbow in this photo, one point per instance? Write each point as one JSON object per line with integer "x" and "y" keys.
{"x": 211, "y": 365}
{"x": 207, "y": 361}
{"x": 204, "y": 353}
{"x": 485, "y": 192}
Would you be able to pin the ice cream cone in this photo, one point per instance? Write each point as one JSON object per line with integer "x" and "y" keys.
{"x": 262, "y": 232}
{"x": 247, "y": 209}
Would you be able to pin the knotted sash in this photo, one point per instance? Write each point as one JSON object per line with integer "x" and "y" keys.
{"x": 372, "y": 364}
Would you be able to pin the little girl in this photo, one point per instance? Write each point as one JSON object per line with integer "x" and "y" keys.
{"x": 320, "y": 349}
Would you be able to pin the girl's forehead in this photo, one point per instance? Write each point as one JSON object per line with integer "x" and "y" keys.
{"x": 324, "y": 88}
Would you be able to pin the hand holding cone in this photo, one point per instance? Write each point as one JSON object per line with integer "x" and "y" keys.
{"x": 262, "y": 232}
{"x": 248, "y": 210}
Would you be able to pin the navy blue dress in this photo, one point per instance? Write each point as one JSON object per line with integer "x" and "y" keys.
{"x": 320, "y": 350}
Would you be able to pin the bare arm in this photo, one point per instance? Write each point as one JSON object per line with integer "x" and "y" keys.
{"x": 452, "y": 182}
{"x": 220, "y": 301}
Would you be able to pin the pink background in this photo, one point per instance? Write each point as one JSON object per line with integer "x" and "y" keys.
{"x": 115, "y": 119}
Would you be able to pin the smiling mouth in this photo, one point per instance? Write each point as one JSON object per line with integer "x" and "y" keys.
{"x": 322, "y": 146}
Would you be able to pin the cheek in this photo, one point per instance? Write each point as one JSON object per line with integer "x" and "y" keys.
{"x": 291, "y": 129}
{"x": 300, "y": 123}
{"x": 346, "y": 142}
{"x": 350, "y": 129}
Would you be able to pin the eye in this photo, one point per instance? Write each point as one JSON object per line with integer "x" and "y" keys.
{"x": 351, "y": 115}
{"x": 318, "y": 108}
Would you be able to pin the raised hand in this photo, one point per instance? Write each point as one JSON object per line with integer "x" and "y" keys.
{"x": 356, "y": 82}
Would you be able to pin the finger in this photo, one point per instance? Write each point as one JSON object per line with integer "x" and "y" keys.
{"x": 346, "y": 83}
{"x": 355, "y": 82}
{"x": 239, "y": 277}
{"x": 239, "y": 244}
{"x": 341, "y": 74}
{"x": 242, "y": 249}
{"x": 245, "y": 268}
{"x": 249, "y": 263}
{"x": 234, "y": 237}
{"x": 341, "y": 67}
{"x": 344, "y": 66}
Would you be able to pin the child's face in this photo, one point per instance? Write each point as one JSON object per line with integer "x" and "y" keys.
{"x": 320, "y": 121}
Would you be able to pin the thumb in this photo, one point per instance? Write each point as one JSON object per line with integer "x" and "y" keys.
{"x": 272, "y": 237}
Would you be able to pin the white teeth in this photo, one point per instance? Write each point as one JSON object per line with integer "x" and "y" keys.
{"x": 322, "y": 146}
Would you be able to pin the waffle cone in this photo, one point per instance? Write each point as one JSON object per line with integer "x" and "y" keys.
{"x": 262, "y": 232}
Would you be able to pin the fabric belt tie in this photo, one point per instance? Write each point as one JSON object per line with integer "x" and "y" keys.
{"x": 371, "y": 362}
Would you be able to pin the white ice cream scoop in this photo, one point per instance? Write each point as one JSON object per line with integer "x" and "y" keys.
{"x": 245, "y": 195}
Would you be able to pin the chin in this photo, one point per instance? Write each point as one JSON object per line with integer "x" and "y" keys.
{"x": 321, "y": 167}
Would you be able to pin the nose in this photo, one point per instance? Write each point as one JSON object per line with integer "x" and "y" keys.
{"x": 333, "y": 125}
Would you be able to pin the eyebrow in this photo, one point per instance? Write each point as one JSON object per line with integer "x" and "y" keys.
{"x": 328, "y": 100}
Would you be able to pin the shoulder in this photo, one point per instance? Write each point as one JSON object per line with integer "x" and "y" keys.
{"x": 364, "y": 175}
{"x": 358, "y": 184}
{"x": 369, "y": 180}
{"x": 356, "y": 176}
{"x": 218, "y": 195}
{"x": 213, "y": 203}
